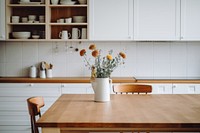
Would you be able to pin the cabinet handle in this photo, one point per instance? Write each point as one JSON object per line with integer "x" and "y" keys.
{"x": 173, "y": 86}
{"x": 31, "y": 85}
{"x": 62, "y": 85}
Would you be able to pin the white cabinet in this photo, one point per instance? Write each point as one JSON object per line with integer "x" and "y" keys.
{"x": 190, "y": 19}
{"x": 14, "y": 117}
{"x": 156, "y": 19}
{"x": 111, "y": 19}
{"x": 186, "y": 89}
{"x": 2, "y": 21}
{"x": 76, "y": 89}
{"x": 161, "y": 88}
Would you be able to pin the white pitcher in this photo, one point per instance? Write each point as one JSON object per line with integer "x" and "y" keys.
{"x": 101, "y": 87}
{"x": 64, "y": 35}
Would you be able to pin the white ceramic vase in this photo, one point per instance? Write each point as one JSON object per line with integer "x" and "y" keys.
{"x": 101, "y": 87}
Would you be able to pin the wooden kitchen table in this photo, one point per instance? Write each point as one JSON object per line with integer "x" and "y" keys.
{"x": 122, "y": 113}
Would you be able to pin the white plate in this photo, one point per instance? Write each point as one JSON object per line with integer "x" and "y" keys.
{"x": 30, "y": 3}
{"x": 68, "y": 3}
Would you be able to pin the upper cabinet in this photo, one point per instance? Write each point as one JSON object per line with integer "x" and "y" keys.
{"x": 117, "y": 20}
{"x": 68, "y": 22}
{"x": 111, "y": 19}
{"x": 2, "y": 21}
{"x": 33, "y": 21}
{"x": 190, "y": 19}
{"x": 156, "y": 19}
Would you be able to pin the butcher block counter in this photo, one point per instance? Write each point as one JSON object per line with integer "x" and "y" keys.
{"x": 87, "y": 80}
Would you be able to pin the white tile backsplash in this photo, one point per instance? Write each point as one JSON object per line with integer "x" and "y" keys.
{"x": 144, "y": 59}
{"x": 2, "y": 69}
{"x": 2, "y": 52}
{"x": 30, "y": 52}
{"x": 14, "y": 69}
{"x": 14, "y": 52}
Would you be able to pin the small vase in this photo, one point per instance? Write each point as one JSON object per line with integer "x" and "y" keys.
{"x": 101, "y": 87}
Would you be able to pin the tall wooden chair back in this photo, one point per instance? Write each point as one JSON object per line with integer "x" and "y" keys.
{"x": 132, "y": 88}
{"x": 34, "y": 105}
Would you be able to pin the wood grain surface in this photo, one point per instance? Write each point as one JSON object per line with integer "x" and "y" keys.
{"x": 87, "y": 80}
{"x": 124, "y": 113}
{"x": 62, "y": 80}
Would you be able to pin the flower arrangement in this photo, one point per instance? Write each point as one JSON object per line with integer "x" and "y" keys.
{"x": 103, "y": 65}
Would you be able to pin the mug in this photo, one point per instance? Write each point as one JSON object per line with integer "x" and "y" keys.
{"x": 84, "y": 33}
{"x": 76, "y": 33}
{"x": 68, "y": 20}
{"x": 64, "y": 35}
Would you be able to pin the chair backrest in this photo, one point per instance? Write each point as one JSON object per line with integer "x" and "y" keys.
{"x": 132, "y": 88}
{"x": 34, "y": 105}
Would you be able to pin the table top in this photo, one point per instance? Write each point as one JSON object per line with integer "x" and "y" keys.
{"x": 152, "y": 112}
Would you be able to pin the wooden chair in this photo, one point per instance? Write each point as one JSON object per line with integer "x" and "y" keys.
{"x": 132, "y": 88}
{"x": 34, "y": 105}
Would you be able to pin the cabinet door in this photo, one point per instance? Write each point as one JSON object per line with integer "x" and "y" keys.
{"x": 13, "y": 106}
{"x": 190, "y": 19}
{"x": 184, "y": 88}
{"x": 2, "y": 21}
{"x": 75, "y": 88}
{"x": 156, "y": 19}
{"x": 161, "y": 88}
{"x": 111, "y": 19}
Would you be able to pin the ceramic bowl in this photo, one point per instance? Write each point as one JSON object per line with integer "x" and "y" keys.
{"x": 79, "y": 19}
{"x": 82, "y": 1}
{"x": 35, "y": 36}
{"x": 21, "y": 35}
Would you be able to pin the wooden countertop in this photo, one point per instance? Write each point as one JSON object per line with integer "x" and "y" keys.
{"x": 143, "y": 113}
{"x": 87, "y": 80}
{"x": 63, "y": 80}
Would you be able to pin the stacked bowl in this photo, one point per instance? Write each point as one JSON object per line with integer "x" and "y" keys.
{"x": 67, "y": 2}
{"x": 82, "y": 1}
{"x": 79, "y": 19}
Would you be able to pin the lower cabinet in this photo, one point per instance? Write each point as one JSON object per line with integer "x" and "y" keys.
{"x": 76, "y": 89}
{"x": 176, "y": 88}
{"x": 162, "y": 89}
{"x": 14, "y": 116}
{"x": 186, "y": 89}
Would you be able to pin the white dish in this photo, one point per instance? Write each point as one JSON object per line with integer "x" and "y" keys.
{"x": 82, "y": 1}
{"x": 30, "y": 3}
{"x": 35, "y": 36}
{"x": 68, "y": 3}
{"x": 21, "y": 35}
{"x": 79, "y": 19}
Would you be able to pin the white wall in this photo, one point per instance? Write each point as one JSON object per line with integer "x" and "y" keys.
{"x": 144, "y": 59}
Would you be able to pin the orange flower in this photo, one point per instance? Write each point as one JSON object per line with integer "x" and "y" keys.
{"x": 109, "y": 57}
{"x": 95, "y": 53}
{"x": 82, "y": 52}
{"x": 123, "y": 55}
{"x": 92, "y": 47}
